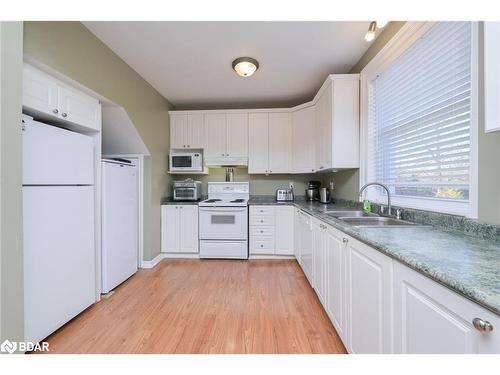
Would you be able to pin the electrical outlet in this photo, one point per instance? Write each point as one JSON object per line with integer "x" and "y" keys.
{"x": 290, "y": 184}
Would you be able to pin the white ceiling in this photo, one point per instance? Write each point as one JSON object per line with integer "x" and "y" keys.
{"x": 189, "y": 63}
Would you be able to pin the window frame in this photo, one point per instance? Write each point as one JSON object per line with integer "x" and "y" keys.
{"x": 401, "y": 41}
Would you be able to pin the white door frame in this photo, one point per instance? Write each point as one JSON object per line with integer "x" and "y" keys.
{"x": 139, "y": 159}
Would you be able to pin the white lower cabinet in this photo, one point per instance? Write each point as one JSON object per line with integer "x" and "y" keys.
{"x": 179, "y": 228}
{"x": 379, "y": 305}
{"x": 429, "y": 318}
{"x": 306, "y": 245}
{"x": 319, "y": 255}
{"x": 369, "y": 299}
{"x": 335, "y": 251}
{"x": 270, "y": 230}
{"x": 296, "y": 235}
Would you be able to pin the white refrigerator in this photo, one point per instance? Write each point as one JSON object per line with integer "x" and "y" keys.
{"x": 119, "y": 222}
{"x": 58, "y": 226}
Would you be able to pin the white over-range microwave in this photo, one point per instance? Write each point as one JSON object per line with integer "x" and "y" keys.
{"x": 186, "y": 161}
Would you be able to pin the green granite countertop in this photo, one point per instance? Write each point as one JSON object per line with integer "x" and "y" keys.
{"x": 466, "y": 264}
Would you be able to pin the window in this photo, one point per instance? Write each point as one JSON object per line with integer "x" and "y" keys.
{"x": 418, "y": 139}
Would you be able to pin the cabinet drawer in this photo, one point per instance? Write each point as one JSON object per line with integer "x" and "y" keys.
{"x": 256, "y": 231}
{"x": 261, "y": 210}
{"x": 265, "y": 220}
{"x": 261, "y": 246}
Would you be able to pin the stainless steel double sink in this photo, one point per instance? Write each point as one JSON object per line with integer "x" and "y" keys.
{"x": 358, "y": 218}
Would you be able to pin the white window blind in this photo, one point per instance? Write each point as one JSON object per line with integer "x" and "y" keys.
{"x": 420, "y": 115}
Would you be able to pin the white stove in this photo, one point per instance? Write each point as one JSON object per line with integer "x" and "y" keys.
{"x": 223, "y": 221}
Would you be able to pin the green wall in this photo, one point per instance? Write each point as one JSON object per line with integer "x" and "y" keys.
{"x": 11, "y": 256}
{"x": 489, "y": 155}
{"x": 74, "y": 51}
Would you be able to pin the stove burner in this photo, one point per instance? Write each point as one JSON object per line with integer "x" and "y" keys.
{"x": 239, "y": 200}
{"x": 212, "y": 200}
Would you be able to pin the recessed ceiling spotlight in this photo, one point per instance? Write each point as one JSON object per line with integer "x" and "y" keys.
{"x": 370, "y": 34}
{"x": 245, "y": 66}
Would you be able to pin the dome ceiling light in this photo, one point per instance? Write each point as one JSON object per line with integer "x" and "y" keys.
{"x": 245, "y": 66}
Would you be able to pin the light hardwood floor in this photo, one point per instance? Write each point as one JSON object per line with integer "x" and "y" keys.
{"x": 205, "y": 306}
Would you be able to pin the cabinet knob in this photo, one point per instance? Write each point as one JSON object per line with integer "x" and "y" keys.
{"x": 183, "y": 145}
{"x": 176, "y": 207}
{"x": 482, "y": 325}
{"x": 270, "y": 171}
{"x": 345, "y": 240}
{"x": 188, "y": 146}
{"x": 262, "y": 221}
{"x": 181, "y": 207}
{"x": 222, "y": 154}
{"x": 261, "y": 231}
{"x": 227, "y": 154}
{"x": 55, "y": 110}
{"x": 64, "y": 115}
{"x": 261, "y": 245}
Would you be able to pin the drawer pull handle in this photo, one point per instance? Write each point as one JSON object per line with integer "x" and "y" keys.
{"x": 482, "y": 325}
{"x": 345, "y": 240}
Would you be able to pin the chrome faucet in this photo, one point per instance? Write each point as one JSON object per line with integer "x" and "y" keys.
{"x": 388, "y": 195}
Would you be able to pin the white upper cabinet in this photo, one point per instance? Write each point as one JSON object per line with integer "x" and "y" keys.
{"x": 195, "y": 131}
{"x": 280, "y": 142}
{"x": 215, "y": 136}
{"x": 303, "y": 141}
{"x": 258, "y": 143}
{"x": 431, "y": 319}
{"x": 317, "y": 136}
{"x": 226, "y": 139}
{"x": 270, "y": 143}
{"x": 48, "y": 98}
{"x": 237, "y": 136}
{"x": 178, "y": 125}
{"x": 40, "y": 92}
{"x": 186, "y": 131}
{"x": 337, "y": 124}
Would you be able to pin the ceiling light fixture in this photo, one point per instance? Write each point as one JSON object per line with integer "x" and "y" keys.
{"x": 370, "y": 34}
{"x": 245, "y": 66}
{"x": 381, "y": 24}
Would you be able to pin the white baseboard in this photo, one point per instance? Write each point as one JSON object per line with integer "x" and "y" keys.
{"x": 260, "y": 256}
{"x": 181, "y": 256}
{"x": 153, "y": 262}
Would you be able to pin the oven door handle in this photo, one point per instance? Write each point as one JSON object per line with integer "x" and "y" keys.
{"x": 223, "y": 209}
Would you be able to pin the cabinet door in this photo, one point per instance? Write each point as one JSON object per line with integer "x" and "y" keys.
{"x": 323, "y": 121}
{"x": 79, "y": 108}
{"x": 369, "y": 300}
{"x": 169, "y": 229}
{"x": 237, "y": 135}
{"x": 39, "y": 91}
{"x": 296, "y": 235}
{"x": 283, "y": 224}
{"x": 318, "y": 234}
{"x": 194, "y": 132}
{"x": 258, "y": 146}
{"x": 188, "y": 229}
{"x": 178, "y": 126}
{"x": 306, "y": 246}
{"x": 335, "y": 280}
{"x": 431, "y": 319}
{"x": 280, "y": 143}
{"x": 215, "y": 135}
{"x": 303, "y": 141}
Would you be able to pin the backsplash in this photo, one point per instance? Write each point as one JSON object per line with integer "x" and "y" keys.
{"x": 259, "y": 184}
